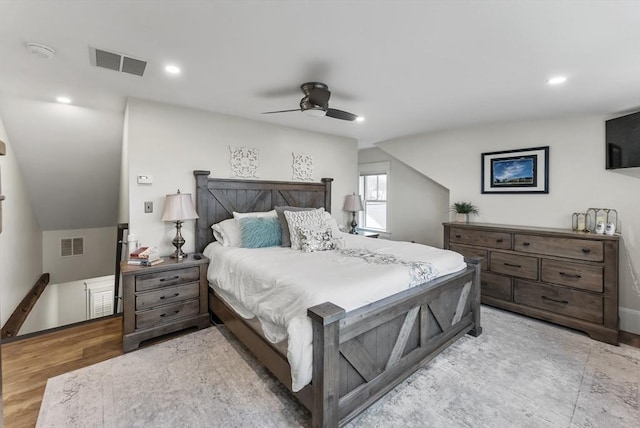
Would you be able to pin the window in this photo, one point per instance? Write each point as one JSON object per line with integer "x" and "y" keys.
{"x": 373, "y": 187}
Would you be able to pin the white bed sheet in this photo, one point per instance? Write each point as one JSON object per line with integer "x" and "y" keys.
{"x": 278, "y": 285}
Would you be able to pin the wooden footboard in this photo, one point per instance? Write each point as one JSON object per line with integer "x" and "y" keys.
{"x": 359, "y": 356}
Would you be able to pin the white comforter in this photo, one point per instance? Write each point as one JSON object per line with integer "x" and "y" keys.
{"x": 279, "y": 284}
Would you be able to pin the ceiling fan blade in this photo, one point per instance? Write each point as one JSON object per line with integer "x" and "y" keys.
{"x": 339, "y": 114}
{"x": 280, "y": 111}
{"x": 320, "y": 96}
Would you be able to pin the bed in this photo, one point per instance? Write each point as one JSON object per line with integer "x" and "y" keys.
{"x": 360, "y": 354}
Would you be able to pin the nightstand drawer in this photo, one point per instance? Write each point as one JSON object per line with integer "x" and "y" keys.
{"x": 582, "y": 249}
{"x": 575, "y": 275}
{"x": 571, "y": 303}
{"x": 167, "y": 278}
{"x": 514, "y": 264}
{"x": 481, "y": 237}
{"x": 165, "y": 295}
{"x": 165, "y": 314}
{"x": 494, "y": 285}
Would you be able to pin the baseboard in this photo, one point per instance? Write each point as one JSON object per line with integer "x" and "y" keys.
{"x": 629, "y": 320}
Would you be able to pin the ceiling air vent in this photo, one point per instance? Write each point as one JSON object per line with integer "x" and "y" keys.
{"x": 71, "y": 247}
{"x": 116, "y": 61}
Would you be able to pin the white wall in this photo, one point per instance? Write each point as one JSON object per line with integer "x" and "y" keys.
{"x": 21, "y": 243}
{"x": 578, "y": 180}
{"x": 417, "y": 205}
{"x": 98, "y": 259}
{"x": 170, "y": 142}
{"x": 123, "y": 201}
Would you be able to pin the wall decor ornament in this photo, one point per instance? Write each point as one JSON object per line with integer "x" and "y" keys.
{"x": 244, "y": 162}
{"x": 516, "y": 171}
{"x": 302, "y": 167}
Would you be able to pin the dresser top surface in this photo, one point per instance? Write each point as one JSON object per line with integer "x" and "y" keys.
{"x": 543, "y": 230}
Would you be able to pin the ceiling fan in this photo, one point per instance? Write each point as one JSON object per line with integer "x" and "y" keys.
{"x": 315, "y": 103}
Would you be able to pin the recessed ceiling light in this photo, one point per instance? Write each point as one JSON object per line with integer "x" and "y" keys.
{"x": 557, "y": 80}
{"x": 172, "y": 69}
{"x": 359, "y": 119}
{"x": 63, "y": 100}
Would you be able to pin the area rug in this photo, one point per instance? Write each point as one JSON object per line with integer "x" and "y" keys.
{"x": 519, "y": 373}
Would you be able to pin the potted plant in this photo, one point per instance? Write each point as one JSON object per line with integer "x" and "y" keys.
{"x": 463, "y": 209}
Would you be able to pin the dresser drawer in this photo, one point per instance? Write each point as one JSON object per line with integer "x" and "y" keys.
{"x": 165, "y": 295}
{"x": 514, "y": 264}
{"x": 167, "y": 313}
{"x": 471, "y": 252}
{"x": 571, "y": 303}
{"x": 583, "y": 249}
{"x": 571, "y": 274}
{"x": 481, "y": 237}
{"x": 167, "y": 278}
{"x": 494, "y": 285}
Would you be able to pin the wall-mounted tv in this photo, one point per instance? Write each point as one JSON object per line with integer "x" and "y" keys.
{"x": 622, "y": 136}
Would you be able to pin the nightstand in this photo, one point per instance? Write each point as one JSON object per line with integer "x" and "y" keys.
{"x": 163, "y": 298}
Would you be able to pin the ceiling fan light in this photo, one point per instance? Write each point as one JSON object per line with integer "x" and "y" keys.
{"x": 315, "y": 112}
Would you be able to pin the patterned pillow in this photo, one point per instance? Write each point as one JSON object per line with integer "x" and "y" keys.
{"x": 286, "y": 234}
{"x": 316, "y": 239}
{"x": 258, "y": 232}
{"x": 303, "y": 219}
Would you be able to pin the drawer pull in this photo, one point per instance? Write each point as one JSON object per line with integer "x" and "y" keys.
{"x": 174, "y": 295}
{"x": 564, "y": 302}
{"x": 586, "y": 250}
{"x": 570, "y": 275}
{"x": 499, "y": 240}
{"x": 525, "y": 244}
{"x": 512, "y": 265}
{"x": 458, "y": 235}
{"x": 169, "y": 279}
{"x": 168, "y": 315}
{"x": 483, "y": 282}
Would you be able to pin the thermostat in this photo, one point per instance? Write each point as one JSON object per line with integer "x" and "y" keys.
{"x": 145, "y": 179}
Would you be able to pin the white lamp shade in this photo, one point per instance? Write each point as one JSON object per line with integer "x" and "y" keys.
{"x": 178, "y": 207}
{"x": 353, "y": 203}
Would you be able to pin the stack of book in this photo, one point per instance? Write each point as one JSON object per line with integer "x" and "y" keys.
{"x": 145, "y": 256}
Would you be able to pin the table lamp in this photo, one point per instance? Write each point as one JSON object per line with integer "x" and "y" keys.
{"x": 178, "y": 208}
{"x": 353, "y": 204}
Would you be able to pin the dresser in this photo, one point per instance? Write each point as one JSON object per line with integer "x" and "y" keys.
{"x": 557, "y": 275}
{"x": 163, "y": 298}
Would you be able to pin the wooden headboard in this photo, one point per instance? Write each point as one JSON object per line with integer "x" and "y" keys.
{"x": 218, "y": 198}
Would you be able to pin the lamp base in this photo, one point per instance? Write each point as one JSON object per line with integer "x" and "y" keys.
{"x": 178, "y": 242}
{"x": 353, "y": 223}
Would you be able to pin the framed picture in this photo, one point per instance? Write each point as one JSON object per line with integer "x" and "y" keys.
{"x": 516, "y": 171}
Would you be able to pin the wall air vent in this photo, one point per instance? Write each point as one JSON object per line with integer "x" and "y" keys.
{"x": 71, "y": 247}
{"x": 116, "y": 61}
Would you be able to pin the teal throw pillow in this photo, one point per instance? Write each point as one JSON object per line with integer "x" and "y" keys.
{"x": 258, "y": 232}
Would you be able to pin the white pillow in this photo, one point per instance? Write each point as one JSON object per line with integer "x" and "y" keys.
{"x": 332, "y": 223}
{"x": 228, "y": 233}
{"x": 271, "y": 213}
{"x": 303, "y": 219}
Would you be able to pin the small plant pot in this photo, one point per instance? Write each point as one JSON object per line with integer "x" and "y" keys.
{"x": 462, "y": 218}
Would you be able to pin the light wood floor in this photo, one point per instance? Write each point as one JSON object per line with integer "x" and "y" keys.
{"x": 28, "y": 363}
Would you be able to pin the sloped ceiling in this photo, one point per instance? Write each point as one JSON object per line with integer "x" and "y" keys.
{"x": 408, "y": 67}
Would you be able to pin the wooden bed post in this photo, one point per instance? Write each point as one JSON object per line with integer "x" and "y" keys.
{"x": 327, "y": 193}
{"x": 475, "y": 296}
{"x": 203, "y": 236}
{"x": 325, "y": 320}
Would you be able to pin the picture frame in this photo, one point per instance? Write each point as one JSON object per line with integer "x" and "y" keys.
{"x": 516, "y": 171}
